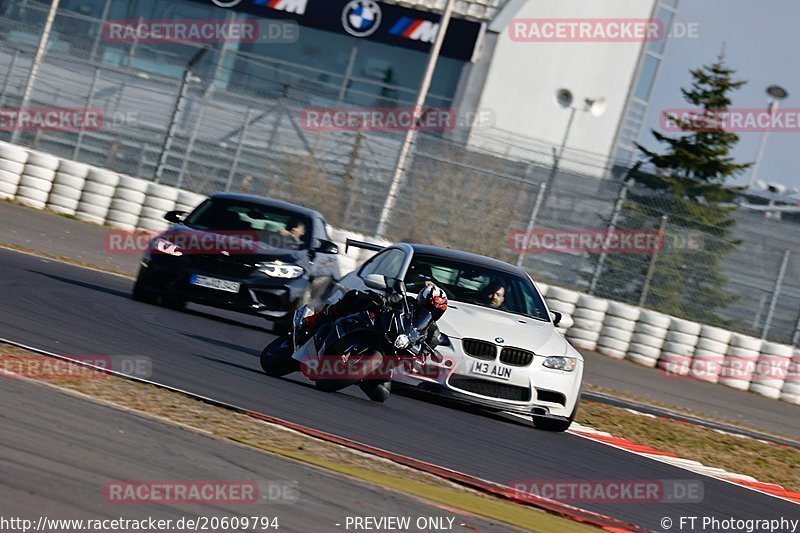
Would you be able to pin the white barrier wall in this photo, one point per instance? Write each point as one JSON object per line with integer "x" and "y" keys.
{"x": 615, "y": 329}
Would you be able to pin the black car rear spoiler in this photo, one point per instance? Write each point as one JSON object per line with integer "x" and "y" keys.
{"x": 362, "y": 244}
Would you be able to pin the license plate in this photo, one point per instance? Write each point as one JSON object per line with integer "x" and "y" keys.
{"x": 214, "y": 283}
{"x": 492, "y": 370}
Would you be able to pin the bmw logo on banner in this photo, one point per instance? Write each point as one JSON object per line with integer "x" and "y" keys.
{"x": 361, "y": 17}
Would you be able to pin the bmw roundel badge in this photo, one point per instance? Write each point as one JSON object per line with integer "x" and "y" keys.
{"x": 361, "y": 17}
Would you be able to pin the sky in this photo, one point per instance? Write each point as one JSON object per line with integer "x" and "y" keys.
{"x": 762, "y": 43}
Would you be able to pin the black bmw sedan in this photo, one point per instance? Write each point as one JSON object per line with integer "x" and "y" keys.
{"x": 240, "y": 252}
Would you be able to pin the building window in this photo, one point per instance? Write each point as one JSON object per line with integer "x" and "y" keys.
{"x": 646, "y": 77}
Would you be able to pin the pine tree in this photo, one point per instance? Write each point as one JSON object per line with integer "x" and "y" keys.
{"x": 687, "y": 183}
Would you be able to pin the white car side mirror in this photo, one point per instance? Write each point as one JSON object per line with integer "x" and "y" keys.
{"x": 561, "y": 320}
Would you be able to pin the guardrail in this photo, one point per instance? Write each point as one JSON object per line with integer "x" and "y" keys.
{"x": 679, "y": 348}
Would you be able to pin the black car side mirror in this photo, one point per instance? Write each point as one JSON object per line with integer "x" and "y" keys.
{"x": 326, "y": 247}
{"x": 556, "y": 318}
{"x": 175, "y": 216}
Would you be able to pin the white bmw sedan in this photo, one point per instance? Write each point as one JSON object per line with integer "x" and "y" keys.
{"x": 500, "y": 345}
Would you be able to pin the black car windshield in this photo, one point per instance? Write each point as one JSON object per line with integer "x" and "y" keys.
{"x": 268, "y": 225}
{"x": 487, "y": 287}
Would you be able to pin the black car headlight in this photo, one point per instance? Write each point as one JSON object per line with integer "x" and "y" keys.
{"x": 166, "y": 247}
{"x": 277, "y": 269}
{"x": 560, "y": 362}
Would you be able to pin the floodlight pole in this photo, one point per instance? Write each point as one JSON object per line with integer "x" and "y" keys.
{"x": 411, "y": 134}
{"x": 37, "y": 62}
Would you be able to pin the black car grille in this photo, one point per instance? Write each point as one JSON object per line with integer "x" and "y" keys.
{"x": 491, "y": 389}
{"x": 516, "y": 356}
{"x": 550, "y": 396}
{"x": 480, "y": 349}
{"x": 220, "y": 265}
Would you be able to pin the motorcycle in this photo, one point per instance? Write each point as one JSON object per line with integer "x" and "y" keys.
{"x": 364, "y": 348}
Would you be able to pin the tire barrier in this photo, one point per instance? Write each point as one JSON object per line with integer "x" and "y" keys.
{"x": 771, "y": 369}
{"x": 12, "y": 163}
{"x": 126, "y": 203}
{"x": 188, "y": 201}
{"x": 740, "y": 361}
{"x": 36, "y": 180}
{"x": 679, "y": 346}
{"x": 67, "y": 187}
{"x": 543, "y": 287}
{"x": 614, "y": 329}
{"x": 587, "y": 322}
{"x": 709, "y": 354}
{"x": 618, "y": 327}
{"x": 791, "y": 389}
{"x": 159, "y": 200}
{"x": 562, "y": 301}
{"x": 97, "y": 195}
{"x": 648, "y": 338}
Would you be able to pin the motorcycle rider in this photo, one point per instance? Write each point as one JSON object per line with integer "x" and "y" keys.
{"x": 430, "y": 297}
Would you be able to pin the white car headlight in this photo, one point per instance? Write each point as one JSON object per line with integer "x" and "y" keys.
{"x": 559, "y": 362}
{"x": 277, "y": 269}
{"x": 166, "y": 247}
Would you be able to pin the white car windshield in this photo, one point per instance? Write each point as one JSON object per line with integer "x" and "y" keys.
{"x": 487, "y": 287}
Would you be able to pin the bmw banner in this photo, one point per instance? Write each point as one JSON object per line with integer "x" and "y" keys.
{"x": 369, "y": 19}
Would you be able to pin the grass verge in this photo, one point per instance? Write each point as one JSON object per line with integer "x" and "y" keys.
{"x": 766, "y": 462}
{"x": 180, "y": 409}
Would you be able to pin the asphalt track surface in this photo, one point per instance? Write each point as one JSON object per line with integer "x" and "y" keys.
{"x": 60, "y": 452}
{"x": 75, "y": 311}
{"x": 46, "y": 232}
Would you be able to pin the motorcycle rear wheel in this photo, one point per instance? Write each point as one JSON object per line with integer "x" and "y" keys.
{"x": 376, "y": 390}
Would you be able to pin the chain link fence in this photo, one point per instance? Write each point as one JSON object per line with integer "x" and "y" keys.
{"x": 240, "y": 128}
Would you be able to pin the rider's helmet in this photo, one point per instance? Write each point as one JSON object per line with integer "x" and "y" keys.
{"x": 433, "y": 299}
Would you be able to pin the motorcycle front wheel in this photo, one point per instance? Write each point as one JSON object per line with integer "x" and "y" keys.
{"x": 361, "y": 358}
{"x": 276, "y": 359}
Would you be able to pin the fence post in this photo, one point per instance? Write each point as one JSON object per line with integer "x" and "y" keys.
{"x": 347, "y": 75}
{"x": 89, "y": 102}
{"x": 238, "y": 153}
{"x": 796, "y": 335}
{"x": 38, "y": 59}
{"x": 612, "y": 225}
{"x": 9, "y": 75}
{"x": 652, "y": 267}
{"x": 100, "y": 31}
{"x": 172, "y": 129}
{"x": 532, "y": 219}
{"x": 775, "y": 292}
{"x": 190, "y": 148}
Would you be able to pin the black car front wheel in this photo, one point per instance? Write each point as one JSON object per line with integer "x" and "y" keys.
{"x": 140, "y": 294}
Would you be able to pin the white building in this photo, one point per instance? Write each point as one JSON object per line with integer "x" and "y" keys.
{"x": 516, "y": 83}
